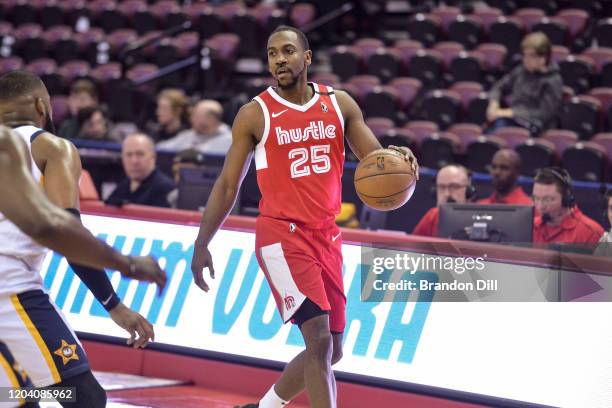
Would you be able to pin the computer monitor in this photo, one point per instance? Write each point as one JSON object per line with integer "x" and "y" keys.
{"x": 486, "y": 222}
{"x": 195, "y": 185}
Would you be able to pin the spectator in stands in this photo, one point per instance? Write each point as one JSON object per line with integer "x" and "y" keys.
{"x": 605, "y": 242}
{"x": 505, "y": 171}
{"x": 94, "y": 125}
{"x": 172, "y": 105}
{"x": 558, "y": 219}
{"x": 535, "y": 89}
{"x": 208, "y": 134}
{"x": 453, "y": 185}
{"x": 144, "y": 183}
{"x": 83, "y": 94}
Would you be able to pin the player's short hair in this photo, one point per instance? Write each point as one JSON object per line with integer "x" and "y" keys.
{"x": 16, "y": 84}
{"x": 300, "y": 34}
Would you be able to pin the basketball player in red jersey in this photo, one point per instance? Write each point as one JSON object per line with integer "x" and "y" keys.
{"x": 296, "y": 132}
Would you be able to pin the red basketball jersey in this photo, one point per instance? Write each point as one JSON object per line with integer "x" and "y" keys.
{"x": 300, "y": 157}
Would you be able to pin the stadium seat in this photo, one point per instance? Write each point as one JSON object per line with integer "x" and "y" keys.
{"x": 603, "y": 32}
{"x": 480, "y": 152}
{"x": 364, "y": 84}
{"x": 466, "y": 30}
{"x": 508, "y": 31}
{"x": 427, "y": 66}
{"x": 302, "y": 14}
{"x": 559, "y": 53}
{"x": 327, "y": 78}
{"x": 246, "y": 26}
{"x": 513, "y": 135}
{"x": 586, "y": 161}
{"x": 383, "y": 102}
{"x": 406, "y": 49}
{"x": 529, "y": 17}
{"x": 424, "y": 28}
{"x": 441, "y": 107}
{"x": 555, "y": 29}
{"x": 438, "y": 150}
{"x": 582, "y": 115}
{"x": 379, "y": 126}
{"x": 562, "y": 139}
{"x": 468, "y": 66}
{"x": 421, "y": 129}
{"x": 408, "y": 89}
{"x": 576, "y": 71}
{"x": 495, "y": 55}
{"x": 59, "y": 104}
{"x": 466, "y": 132}
{"x": 399, "y": 137}
{"x": 446, "y": 15}
{"x": 467, "y": 91}
{"x": 536, "y": 153}
{"x": 366, "y": 47}
{"x": 385, "y": 64}
{"x": 448, "y": 51}
{"x": 345, "y": 62}
{"x": 74, "y": 69}
{"x": 10, "y": 64}
{"x": 487, "y": 16}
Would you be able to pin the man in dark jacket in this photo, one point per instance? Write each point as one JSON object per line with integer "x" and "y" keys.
{"x": 535, "y": 89}
{"x": 144, "y": 183}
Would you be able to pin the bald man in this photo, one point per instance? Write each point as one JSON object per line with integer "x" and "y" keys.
{"x": 208, "y": 134}
{"x": 144, "y": 184}
{"x": 505, "y": 171}
{"x": 31, "y": 327}
{"x": 453, "y": 185}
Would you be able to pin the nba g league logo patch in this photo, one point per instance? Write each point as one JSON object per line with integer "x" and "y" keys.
{"x": 324, "y": 107}
{"x": 67, "y": 352}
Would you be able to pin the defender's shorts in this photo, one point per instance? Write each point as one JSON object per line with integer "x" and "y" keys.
{"x": 39, "y": 339}
{"x": 301, "y": 262}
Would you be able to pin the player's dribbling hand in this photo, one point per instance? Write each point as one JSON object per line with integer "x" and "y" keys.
{"x": 409, "y": 156}
{"x": 133, "y": 323}
{"x": 201, "y": 259}
{"x": 146, "y": 268}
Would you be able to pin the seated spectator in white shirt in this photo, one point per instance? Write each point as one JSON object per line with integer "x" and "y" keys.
{"x": 208, "y": 134}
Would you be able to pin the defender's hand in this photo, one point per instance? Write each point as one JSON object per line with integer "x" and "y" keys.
{"x": 133, "y": 323}
{"x": 408, "y": 156}
{"x": 201, "y": 259}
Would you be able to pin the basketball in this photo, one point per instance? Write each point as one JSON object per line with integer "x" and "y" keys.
{"x": 384, "y": 180}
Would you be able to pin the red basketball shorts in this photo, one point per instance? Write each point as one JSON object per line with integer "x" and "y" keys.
{"x": 301, "y": 262}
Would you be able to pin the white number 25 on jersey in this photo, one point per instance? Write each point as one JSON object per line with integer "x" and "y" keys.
{"x": 319, "y": 160}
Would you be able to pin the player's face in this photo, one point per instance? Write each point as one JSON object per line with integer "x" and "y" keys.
{"x": 547, "y": 199}
{"x": 165, "y": 113}
{"x": 287, "y": 59}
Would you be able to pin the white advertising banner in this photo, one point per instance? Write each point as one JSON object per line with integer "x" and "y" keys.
{"x": 556, "y": 354}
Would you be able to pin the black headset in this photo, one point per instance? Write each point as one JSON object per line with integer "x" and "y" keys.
{"x": 470, "y": 190}
{"x": 567, "y": 194}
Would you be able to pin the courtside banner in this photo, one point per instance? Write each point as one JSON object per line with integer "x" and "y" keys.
{"x": 547, "y": 353}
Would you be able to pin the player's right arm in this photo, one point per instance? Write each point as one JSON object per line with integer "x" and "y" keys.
{"x": 247, "y": 124}
{"x": 24, "y": 203}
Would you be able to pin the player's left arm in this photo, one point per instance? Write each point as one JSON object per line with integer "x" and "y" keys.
{"x": 60, "y": 164}
{"x": 360, "y": 138}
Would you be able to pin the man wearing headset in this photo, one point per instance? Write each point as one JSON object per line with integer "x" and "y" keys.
{"x": 453, "y": 185}
{"x": 558, "y": 219}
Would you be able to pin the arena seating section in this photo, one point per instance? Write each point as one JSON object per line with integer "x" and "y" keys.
{"x": 420, "y": 74}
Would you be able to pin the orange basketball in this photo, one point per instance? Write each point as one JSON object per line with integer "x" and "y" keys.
{"x": 384, "y": 180}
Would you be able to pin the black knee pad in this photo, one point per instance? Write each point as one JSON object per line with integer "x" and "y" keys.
{"x": 89, "y": 392}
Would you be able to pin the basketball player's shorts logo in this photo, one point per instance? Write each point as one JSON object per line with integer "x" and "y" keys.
{"x": 289, "y": 302}
{"x": 67, "y": 352}
{"x": 291, "y": 227}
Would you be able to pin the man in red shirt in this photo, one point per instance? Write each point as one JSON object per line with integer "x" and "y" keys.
{"x": 559, "y": 220}
{"x": 453, "y": 185}
{"x": 505, "y": 171}
{"x": 295, "y": 132}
